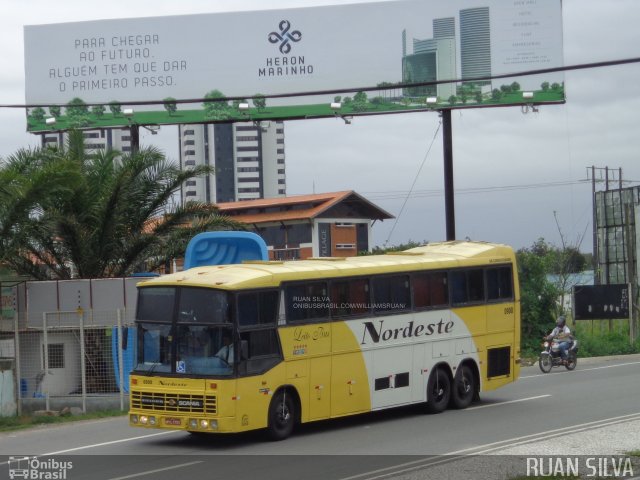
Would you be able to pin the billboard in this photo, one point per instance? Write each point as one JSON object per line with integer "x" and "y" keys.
{"x": 363, "y": 58}
{"x": 595, "y": 302}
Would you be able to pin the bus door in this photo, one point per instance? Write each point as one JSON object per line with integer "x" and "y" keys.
{"x": 350, "y": 390}
{"x": 320, "y": 387}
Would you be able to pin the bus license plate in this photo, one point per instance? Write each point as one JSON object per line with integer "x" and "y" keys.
{"x": 172, "y": 421}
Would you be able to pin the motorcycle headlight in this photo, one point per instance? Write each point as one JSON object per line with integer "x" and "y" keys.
{"x": 545, "y": 344}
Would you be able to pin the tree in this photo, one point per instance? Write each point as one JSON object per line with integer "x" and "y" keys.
{"x": 360, "y": 102}
{"x": 395, "y": 248}
{"x": 68, "y": 214}
{"x": 545, "y": 86}
{"x": 452, "y": 100}
{"x": 170, "y": 105}
{"x": 496, "y": 95}
{"x": 478, "y": 96}
{"x": 538, "y": 297}
{"x": 38, "y": 114}
{"x": 115, "y": 108}
{"x": 515, "y": 87}
{"x": 78, "y": 113}
{"x": 566, "y": 261}
{"x": 98, "y": 110}
{"x": 218, "y": 107}
{"x": 55, "y": 110}
{"x": 259, "y": 101}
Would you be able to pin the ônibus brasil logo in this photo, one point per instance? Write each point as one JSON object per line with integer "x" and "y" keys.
{"x": 32, "y": 468}
{"x": 285, "y": 36}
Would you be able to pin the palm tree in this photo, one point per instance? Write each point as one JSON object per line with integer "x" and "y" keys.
{"x": 68, "y": 214}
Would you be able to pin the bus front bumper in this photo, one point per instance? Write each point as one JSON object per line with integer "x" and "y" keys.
{"x": 182, "y": 422}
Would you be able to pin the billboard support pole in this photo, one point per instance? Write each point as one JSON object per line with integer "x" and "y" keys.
{"x": 134, "y": 129}
{"x": 447, "y": 144}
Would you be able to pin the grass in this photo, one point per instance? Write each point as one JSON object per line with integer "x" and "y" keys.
{"x": 633, "y": 453}
{"x": 597, "y": 342}
{"x": 8, "y": 424}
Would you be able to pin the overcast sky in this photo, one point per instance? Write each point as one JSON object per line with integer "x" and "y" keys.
{"x": 512, "y": 170}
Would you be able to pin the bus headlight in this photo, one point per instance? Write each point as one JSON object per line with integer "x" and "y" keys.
{"x": 213, "y": 424}
{"x": 144, "y": 419}
{"x": 152, "y": 420}
{"x": 133, "y": 418}
{"x": 204, "y": 423}
{"x": 193, "y": 423}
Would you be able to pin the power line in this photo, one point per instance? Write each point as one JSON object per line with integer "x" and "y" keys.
{"x": 581, "y": 66}
{"x": 415, "y": 179}
{"x": 399, "y": 194}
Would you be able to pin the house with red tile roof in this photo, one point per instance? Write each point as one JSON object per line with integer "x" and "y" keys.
{"x": 336, "y": 224}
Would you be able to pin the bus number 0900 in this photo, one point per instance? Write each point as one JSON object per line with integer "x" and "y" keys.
{"x": 508, "y": 310}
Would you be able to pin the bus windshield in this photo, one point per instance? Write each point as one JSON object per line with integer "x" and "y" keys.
{"x": 184, "y": 331}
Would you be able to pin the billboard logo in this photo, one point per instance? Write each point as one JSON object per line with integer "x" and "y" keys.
{"x": 285, "y": 36}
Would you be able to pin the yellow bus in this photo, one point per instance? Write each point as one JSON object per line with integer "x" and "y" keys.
{"x": 267, "y": 344}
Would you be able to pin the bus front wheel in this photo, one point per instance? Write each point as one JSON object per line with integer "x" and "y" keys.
{"x": 438, "y": 391}
{"x": 282, "y": 416}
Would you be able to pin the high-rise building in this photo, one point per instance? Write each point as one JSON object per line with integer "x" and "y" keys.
{"x": 103, "y": 139}
{"x": 248, "y": 161}
{"x": 444, "y": 27}
{"x": 430, "y": 60}
{"x": 475, "y": 43}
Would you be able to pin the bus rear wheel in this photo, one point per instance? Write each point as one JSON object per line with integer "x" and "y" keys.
{"x": 464, "y": 388}
{"x": 438, "y": 391}
{"x": 282, "y": 416}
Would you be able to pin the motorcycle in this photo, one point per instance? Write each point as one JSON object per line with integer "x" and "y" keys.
{"x": 551, "y": 356}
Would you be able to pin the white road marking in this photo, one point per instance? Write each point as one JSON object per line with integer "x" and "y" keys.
{"x": 578, "y": 370}
{"x": 548, "y": 434}
{"x": 113, "y": 442}
{"x": 151, "y": 472}
{"x": 507, "y": 402}
{"x": 478, "y": 450}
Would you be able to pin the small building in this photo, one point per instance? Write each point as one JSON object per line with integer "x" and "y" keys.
{"x": 334, "y": 224}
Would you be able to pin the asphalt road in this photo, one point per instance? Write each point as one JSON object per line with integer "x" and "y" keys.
{"x": 537, "y": 407}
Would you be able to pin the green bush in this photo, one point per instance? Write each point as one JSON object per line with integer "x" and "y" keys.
{"x": 598, "y": 343}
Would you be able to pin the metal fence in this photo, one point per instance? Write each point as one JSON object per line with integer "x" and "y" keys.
{"x": 66, "y": 343}
{"x": 70, "y": 359}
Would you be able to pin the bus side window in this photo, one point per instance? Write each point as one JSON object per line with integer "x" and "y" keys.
{"x": 467, "y": 286}
{"x": 307, "y": 302}
{"x": 499, "y": 283}
{"x": 391, "y": 293}
{"x": 259, "y": 351}
{"x": 459, "y": 287}
{"x": 257, "y": 308}
{"x": 430, "y": 289}
{"x": 349, "y": 297}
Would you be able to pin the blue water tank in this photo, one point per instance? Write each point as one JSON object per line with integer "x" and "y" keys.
{"x": 224, "y": 248}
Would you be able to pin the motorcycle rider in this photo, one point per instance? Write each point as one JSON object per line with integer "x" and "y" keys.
{"x": 563, "y": 334}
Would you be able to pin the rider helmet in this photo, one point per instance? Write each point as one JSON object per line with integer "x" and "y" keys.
{"x": 561, "y": 321}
